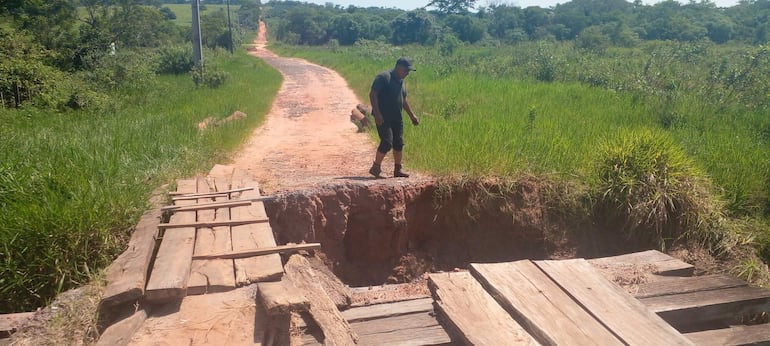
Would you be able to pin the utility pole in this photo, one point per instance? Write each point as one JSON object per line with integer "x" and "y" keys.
{"x": 196, "y": 34}
{"x": 229, "y": 27}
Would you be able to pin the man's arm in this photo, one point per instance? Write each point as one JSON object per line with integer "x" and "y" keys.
{"x": 408, "y": 109}
{"x": 375, "y": 107}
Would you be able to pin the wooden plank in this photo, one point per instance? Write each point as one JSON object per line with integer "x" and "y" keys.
{"x": 201, "y": 224}
{"x": 378, "y": 311}
{"x": 216, "y": 274}
{"x": 412, "y": 329}
{"x": 127, "y": 275}
{"x": 665, "y": 264}
{"x": 210, "y": 194}
{"x": 120, "y": 333}
{"x": 691, "y": 309}
{"x": 679, "y": 285}
{"x": 204, "y": 206}
{"x": 335, "y": 328}
{"x": 253, "y": 236}
{"x": 542, "y": 307}
{"x": 472, "y": 313}
{"x": 10, "y": 322}
{"x": 625, "y": 316}
{"x": 282, "y": 297}
{"x": 739, "y": 335}
{"x": 261, "y": 252}
{"x": 171, "y": 269}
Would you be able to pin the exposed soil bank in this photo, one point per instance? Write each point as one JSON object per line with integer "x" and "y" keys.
{"x": 374, "y": 233}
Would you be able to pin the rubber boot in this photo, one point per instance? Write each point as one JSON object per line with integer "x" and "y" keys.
{"x": 398, "y": 173}
{"x": 375, "y": 170}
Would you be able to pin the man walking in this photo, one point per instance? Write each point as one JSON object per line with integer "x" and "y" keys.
{"x": 388, "y": 98}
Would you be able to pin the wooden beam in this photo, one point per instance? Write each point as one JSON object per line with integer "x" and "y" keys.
{"x": 10, "y": 322}
{"x": 253, "y": 236}
{"x": 200, "y": 224}
{"x": 664, "y": 264}
{"x": 204, "y": 206}
{"x": 679, "y": 285}
{"x": 171, "y": 269}
{"x": 378, "y": 311}
{"x": 411, "y": 329}
{"x": 472, "y": 314}
{"x": 540, "y": 305}
{"x": 688, "y": 310}
{"x": 127, "y": 275}
{"x": 625, "y": 316}
{"x": 210, "y": 194}
{"x": 211, "y": 275}
{"x": 261, "y": 252}
{"x": 739, "y": 335}
{"x": 281, "y": 297}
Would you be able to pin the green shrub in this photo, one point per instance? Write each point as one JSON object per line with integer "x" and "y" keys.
{"x": 648, "y": 187}
{"x": 208, "y": 76}
{"x": 175, "y": 59}
{"x": 126, "y": 70}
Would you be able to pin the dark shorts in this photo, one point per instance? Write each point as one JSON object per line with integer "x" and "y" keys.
{"x": 391, "y": 136}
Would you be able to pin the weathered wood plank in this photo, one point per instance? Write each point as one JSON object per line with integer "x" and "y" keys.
{"x": 412, "y": 329}
{"x": 282, "y": 297}
{"x": 542, "y": 307}
{"x": 127, "y": 275}
{"x": 365, "y": 313}
{"x": 335, "y": 328}
{"x": 171, "y": 269}
{"x": 200, "y": 224}
{"x": 739, "y": 335}
{"x": 204, "y": 206}
{"x": 625, "y": 316}
{"x": 691, "y": 309}
{"x": 381, "y": 294}
{"x": 679, "y": 285}
{"x": 472, "y": 313}
{"x": 254, "y": 236}
{"x": 210, "y": 194}
{"x": 120, "y": 333}
{"x": 211, "y": 275}
{"x": 10, "y": 322}
{"x": 665, "y": 264}
{"x": 261, "y": 252}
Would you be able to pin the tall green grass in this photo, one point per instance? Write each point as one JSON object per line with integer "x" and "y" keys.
{"x": 485, "y": 112}
{"x": 73, "y": 185}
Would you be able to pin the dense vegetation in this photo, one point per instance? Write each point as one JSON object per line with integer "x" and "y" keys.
{"x": 658, "y": 139}
{"x": 88, "y": 131}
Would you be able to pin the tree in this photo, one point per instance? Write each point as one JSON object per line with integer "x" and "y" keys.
{"x": 345, "y": 28}
{"x": 414, "y": 27}
{"x": 249, "y": 14}
{"x": 452, "y": 6}
{"x": 466, "y": 28}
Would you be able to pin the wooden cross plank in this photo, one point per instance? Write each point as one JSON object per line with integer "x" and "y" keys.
{"x": 542, "y": 307}
{"x": 472, "y": 313}
{"x": 253, "y": 236}
{"x": 679, "y": 285}
{"x": 204, "y": 206}
{"x": 377, "y": 311}
{"x": 199, "y": 224}
{"x": 171, "y": 270}
{"x": 739, "y": 335}
{"x": 695, "y": 308}
{"x": 260, "y": 252}
{"x": 625, "y": 316}
{"x": 664, "y": 264}
{"x": 411, "y": 329}
{"x": 211, "y": 275}
{"x": 209, "y": 194}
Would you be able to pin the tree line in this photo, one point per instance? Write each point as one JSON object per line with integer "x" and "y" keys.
{"x": 588, "y": 22}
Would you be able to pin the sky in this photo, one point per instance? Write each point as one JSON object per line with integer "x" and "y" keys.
{"x": 413, "y": 4}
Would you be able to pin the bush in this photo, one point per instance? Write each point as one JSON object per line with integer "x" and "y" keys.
{"x": 175, "y": 59}
{"x": 131, "y": 70}
{"x": 208, "y": 76}
{"x": 648, "y": 187}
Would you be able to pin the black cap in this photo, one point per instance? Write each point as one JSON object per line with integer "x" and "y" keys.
{"x": 405, "y": 62}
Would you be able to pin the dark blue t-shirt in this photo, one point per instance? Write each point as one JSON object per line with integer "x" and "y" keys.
{"x": 390, "y": 94}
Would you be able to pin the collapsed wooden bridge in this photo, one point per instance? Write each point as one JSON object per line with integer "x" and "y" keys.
{"x": 218, "y": 238}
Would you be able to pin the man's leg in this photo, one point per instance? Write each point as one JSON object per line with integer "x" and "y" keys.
{"x": 398, "y": 147}
{"x": 386, "y": 143}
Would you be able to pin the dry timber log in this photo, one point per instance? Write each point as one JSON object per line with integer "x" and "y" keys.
{"x": 261, "y": 252}
{"x": 127, "y": 275}
{"x": 10, "y": 322}
{"x": 171, "y": 269}
{"x": 211, "y": 275}
{"x": 335, "y": 328}
{"x": 282, "y": 297}
{"x": 200, "y": 224}
{"x": 542, "y": 307}
{"x": 738, "y": 335}
{"x": 253, "y": 236}
{"x": 625, "y": 316}
{"x": 121, "y": 332}
{"x": 334, "y": 288}
{"x": 664, "y": 264}
{"x": 472, "y": 314}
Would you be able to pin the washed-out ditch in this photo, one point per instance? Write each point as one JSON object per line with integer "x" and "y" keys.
{"x": 373, "y": 234}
